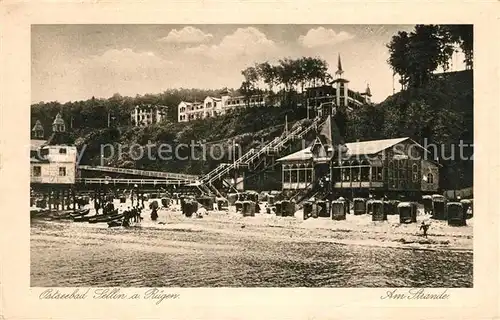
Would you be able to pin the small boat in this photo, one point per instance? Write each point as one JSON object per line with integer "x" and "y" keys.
{"x": 114, "y": 217}
{"x": 103, "y": 217}
{"x": 61, "y": 215}
{"x": 106, "y": 218}
{"x": 115, "y": 223}
{"x": 80, "y": 213}
{"x": 81, "y": 219}
{"x": 37, "y": 212}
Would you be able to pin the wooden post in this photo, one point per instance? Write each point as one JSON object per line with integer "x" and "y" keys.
{"x": 95, "y": 199}
{"x": 61, "y": 198}
{"x": 74, "y": 198}
{"x": 57, "y": 199}
{"x": 68, "y": 199}
{"x": 49, "y": 202}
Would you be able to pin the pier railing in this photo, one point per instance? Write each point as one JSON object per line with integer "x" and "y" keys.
{"x": 132, "y": 182}
{"x": 138, "y": 172}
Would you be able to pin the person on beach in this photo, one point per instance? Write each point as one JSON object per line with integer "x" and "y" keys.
{"x": 154, "y": 214}
{"x": 97, "y": 206}
{"x": 424, "y": 227}
{"x": 139, "y": 218}
{"x": 133, "y": 214}
{"x": 126, "y": 218}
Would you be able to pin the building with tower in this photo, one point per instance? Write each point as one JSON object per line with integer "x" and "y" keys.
{"x": 337, "y": 93}
{"x": 38, "y": 132}
{"x": 53, "y": 161}
{"x": 216, "y": 106}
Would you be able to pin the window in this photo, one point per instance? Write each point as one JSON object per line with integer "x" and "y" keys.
{"x": 293, "y": 174}
{"x": 37, "y": 171}
{"x": 430, "y": 178}
{"x": 301, "y": 174}
{"x": 308, "y": 174}
{"x": 345, "y": 174}
{"x": 286, "y": 174}
{"x": 414, "y": 172}
{"x": 62, "y": 151}
{"x": 62, "y": 171}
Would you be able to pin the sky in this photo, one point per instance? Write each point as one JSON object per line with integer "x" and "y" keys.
{"x": 76, "y": 62}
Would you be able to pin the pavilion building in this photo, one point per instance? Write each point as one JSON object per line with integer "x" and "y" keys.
{"x": 379, "y": 167}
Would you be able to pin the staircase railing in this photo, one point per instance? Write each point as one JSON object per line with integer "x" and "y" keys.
{"x": 276, "y": 144}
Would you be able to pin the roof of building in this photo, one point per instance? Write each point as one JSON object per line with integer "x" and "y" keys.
{"x": 36, "y": 144}
{"x": 38, "y": 126}
{"x": 58, "y": 119}
{"x": 340, "y": 80}
{"x": 353, "y": 148}
{"x": 149, "y": 106}
{"x": 38, "y": 160}
{"x": 214, "y": 98}
{"x": 60, "y": 138}
{"x": 191, "y": 103}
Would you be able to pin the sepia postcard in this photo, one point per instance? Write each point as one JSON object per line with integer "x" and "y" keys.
{"x": 272, "y": 160}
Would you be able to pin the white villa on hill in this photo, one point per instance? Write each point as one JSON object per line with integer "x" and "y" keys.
{"x": 147, "y": 114}
{"x": 213, "y": 106}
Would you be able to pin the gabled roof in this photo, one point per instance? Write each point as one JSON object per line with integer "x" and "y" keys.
{"x": 213, "y": 98}
{"x": 35, "y": 144}
{"x": 38, "y": 126}
{"x": 353, "y": 149}
{"x": 304, "y": 154}
{"x": 58, "y": 120}
{"x": 371, "y": 147}
{"x": 38, "y": 160}
{"x": 60, "y": 138}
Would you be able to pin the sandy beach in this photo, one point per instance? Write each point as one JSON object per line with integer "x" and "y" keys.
{"x": 225, "y": 249}
{"x": 356, "y": 229}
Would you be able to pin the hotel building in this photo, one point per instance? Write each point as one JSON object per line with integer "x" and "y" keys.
{"x": 213, "y": 106}
{"x": 147, "y": 115}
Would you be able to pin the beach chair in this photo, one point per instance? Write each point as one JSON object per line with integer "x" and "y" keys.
{"x": 407, "y": 212}
{"x": 359, "y": 205}
{"x": 427, "y": 201}
{"x": 339, "y": 210}
{"x": 456, "y": 214}
{"x": 323, "y": 209}
{"x": 378, "y": 211}
{"x": 248, "y": 208}
{"x": 439, "y": 207}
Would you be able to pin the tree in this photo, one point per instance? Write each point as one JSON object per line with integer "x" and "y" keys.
{"x": 399, "y": 52}
{"x": 463, "y": 35}
{"x": 416, "y": 55}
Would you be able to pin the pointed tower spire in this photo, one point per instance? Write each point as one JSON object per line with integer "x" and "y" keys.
{"x": 37, "y": 130}
{"x": 58, "y": 125}
{"x": 368, "y": 92}
{"x": 339, "y": 67}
